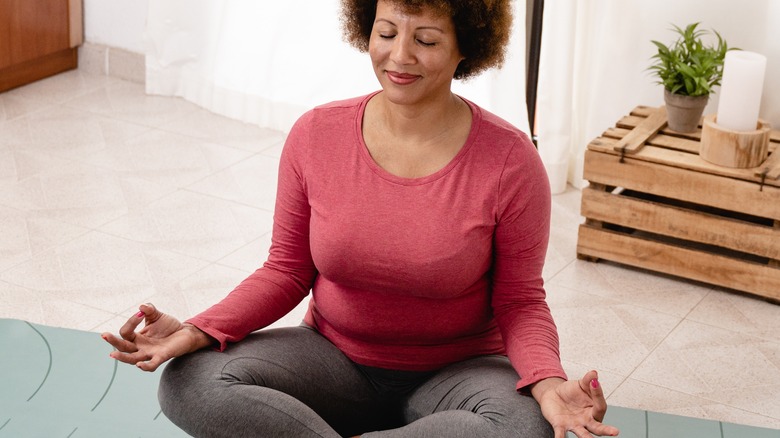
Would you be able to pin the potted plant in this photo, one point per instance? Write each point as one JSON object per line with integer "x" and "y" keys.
{"x": 688, "y": 69}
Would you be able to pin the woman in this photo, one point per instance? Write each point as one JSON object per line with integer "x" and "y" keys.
{"x": 420, "y": 223}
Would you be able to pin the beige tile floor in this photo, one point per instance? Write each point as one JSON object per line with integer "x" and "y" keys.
{"x": 110, "y": 198}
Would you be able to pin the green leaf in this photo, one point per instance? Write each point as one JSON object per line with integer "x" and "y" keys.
{"x": 688, "y": 65}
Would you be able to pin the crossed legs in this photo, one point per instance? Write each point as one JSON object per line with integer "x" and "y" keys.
{"x": 292, "y": 382}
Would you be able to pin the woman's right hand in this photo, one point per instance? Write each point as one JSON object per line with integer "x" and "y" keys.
{"x": 162, "y": 338}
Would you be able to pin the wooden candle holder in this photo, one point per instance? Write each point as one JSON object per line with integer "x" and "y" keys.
{"x": 729, "y": 148}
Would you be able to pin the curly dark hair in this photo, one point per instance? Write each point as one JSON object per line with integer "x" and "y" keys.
{"x": 482, "y": 28}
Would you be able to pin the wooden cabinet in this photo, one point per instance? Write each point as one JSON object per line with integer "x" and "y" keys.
{"x": 38, "y": 38}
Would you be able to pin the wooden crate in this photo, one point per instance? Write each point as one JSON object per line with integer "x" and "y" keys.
{"x": 653, "y": 203}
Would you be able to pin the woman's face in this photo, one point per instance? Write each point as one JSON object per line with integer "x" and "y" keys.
{"x": 414, "y": 55}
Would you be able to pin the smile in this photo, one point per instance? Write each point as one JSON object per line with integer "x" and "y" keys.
{"x": 401, "y": 78}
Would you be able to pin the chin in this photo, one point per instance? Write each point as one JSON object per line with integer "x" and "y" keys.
{"x": 401, "y": 95}
{"x": 397, "y": 98}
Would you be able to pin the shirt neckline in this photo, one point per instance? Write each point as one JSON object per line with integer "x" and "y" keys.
{"x": 384, "y": 174}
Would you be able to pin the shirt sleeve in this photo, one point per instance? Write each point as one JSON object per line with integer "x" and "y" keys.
{"x": 287, "y": 276}
{"x": 521, "y": 239}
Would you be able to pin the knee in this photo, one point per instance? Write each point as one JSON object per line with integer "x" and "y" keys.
{"x": 186, "y": 387}
{"x": 522, "y": 419}
{"x": 170, "y": 385}
{"x": 171, "y": 390}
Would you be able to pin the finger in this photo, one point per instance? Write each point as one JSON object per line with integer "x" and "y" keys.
{"x": 127, "y": 331}
{"x": 581, "y": 432}
{"x": 560, "y": 432}
{"x": 129, "y": 358}
{"x": 151, "y": 364}
{"x": 119, "y": 344}
{"x": 597, "y": 397}
{"x": 603, "y": 429}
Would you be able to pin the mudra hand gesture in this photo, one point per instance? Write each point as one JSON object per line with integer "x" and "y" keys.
{"x": 163, "y": 337}
{"x": 578, "y": 406}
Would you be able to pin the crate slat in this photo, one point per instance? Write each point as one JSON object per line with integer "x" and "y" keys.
{"x": 641, "y": 112}
{"x": 719, "y": 270}
{"x": 680, "y": 157}
{"x": 681, "y": 223}
{"x": 647, "y": 128}
{"x": 681, "y": 183}
{"x": 771, "y": 167}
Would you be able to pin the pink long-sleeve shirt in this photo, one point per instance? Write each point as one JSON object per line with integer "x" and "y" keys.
{"x": 406, "y": 274}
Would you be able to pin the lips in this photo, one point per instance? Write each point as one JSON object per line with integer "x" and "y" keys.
{"x": 401, "y": 78}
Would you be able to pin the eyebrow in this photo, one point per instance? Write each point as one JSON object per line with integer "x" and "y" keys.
{"x": 419, "y": 28}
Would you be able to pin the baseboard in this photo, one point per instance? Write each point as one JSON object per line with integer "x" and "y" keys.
{"x": 112, "y": 61}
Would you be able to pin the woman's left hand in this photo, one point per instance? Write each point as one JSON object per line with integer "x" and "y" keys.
{"x": 574, "y": 405}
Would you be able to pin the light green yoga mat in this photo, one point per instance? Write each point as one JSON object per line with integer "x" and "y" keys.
{"x": 57, "y": 382}
{"x": 60, "y": 383}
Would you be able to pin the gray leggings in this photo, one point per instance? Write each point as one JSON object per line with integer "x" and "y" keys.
{"x": 292, "y": 382}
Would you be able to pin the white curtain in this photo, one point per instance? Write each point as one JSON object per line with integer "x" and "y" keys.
{"x": 268, "y": 62}
{"x": 594, "y": 59}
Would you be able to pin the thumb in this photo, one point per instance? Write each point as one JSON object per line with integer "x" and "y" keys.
{"x": 151, "y": 313}
{"x": 596, "y": 393}
{"x": 585, "y": 381}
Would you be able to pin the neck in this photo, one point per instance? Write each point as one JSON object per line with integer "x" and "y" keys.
{"x": 421, "y": 120}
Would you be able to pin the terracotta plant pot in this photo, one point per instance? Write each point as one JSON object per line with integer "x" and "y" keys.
{"x": 684, "y": 112}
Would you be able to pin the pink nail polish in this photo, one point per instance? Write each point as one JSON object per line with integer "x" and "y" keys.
{"x": 594, "y": 383}
{"x": 139, "y": 315}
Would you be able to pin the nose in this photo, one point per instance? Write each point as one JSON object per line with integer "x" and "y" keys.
{"x": 402, "y": 51}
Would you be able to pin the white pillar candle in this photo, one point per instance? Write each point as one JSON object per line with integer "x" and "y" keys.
{"x": 740, "y": 90}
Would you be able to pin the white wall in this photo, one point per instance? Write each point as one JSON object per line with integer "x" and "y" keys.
{"x": 121, "y": 24}
{"x": 116, "y": 23}
{"x": 750, "y": 25}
